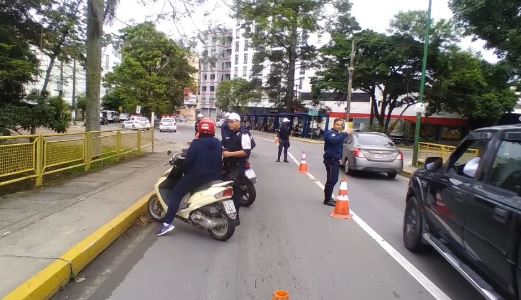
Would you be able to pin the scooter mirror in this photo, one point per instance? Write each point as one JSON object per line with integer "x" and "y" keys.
{"x": 169, "y": 153}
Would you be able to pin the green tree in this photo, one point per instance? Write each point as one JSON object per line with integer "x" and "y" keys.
{"x": 280, "y": 30}
{"x": 496, "y": 22}
{"x": 153, "y": 71}
{"x": 473, "y": 88}
{"x": 112, "y": 101}
{"x": 236, "y": 93}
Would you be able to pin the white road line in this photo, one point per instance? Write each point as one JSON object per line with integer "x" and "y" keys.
{"x": 293, "y": 158}
{"x": 432, "y": 288}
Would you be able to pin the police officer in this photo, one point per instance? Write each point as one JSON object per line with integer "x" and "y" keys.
{"x": 283, "y": 135}
{"x": 236, "y": 150}
{"x": 198, "y": 119}
{"x": 333, "y": 148}
{"x": 225, "y": 130}
{"x": 203, "y": 163}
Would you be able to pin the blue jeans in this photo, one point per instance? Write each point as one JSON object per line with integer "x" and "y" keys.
{"x": 332, "y": 168}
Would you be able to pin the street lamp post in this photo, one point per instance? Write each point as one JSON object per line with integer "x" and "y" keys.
{"x": 351, "y": 69}
{"x": 422, "y": 88}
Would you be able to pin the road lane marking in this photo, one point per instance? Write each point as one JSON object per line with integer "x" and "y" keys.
{"x": 430, "y": 286}
{"x": 293, "y": 158}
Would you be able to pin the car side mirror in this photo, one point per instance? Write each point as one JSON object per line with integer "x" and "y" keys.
{"x": 169, "y": 153}
{"x": 433, "y": 163}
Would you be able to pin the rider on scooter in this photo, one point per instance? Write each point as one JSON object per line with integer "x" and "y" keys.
{"x": 203, "y": 163}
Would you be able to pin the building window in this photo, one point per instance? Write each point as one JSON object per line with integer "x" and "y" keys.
{"x": 203, "y": 88}
{"x": 245, "y": 45}
{"x": 236, "y": 46}
{"x": 226, "y": 76}
{"x": 236, "y": 58}
{"x": 213, "y": 52}
{"x": 302, "y": 70}
{"x": 245, "y": 58}
{"x": 301, "y": 83}
{"x": 212, "y": 76}
{"x": 212, "y": 88}
{"x": 235, "y": 71}
{"x": 237, "y": 33}
{"x": 205, "y": 76}
{"x": 244, "y": 71}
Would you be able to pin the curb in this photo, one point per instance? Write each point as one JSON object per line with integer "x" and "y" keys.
{"x": 48, "y": 281}
{"x": 407, "y": 173}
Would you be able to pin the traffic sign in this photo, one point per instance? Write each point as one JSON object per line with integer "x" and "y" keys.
{"x": 138, "y": 109}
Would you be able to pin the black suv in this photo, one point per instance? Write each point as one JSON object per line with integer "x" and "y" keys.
{"x": 469, "y": 210}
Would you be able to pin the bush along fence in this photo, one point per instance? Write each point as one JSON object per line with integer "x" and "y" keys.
{"x": 26, "y": 157}
{"x": 438, "y": 150}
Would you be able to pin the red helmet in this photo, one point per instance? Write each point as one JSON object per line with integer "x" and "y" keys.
{"x": 206, "y": 127}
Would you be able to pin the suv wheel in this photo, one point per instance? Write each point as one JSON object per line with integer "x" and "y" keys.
{"x": 413, "y": 227}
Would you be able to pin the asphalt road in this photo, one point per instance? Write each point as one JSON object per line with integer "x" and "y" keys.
{"x": 286, "y": 241}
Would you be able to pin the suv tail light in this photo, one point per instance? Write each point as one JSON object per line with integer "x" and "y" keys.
{"x": 358, "y": 153}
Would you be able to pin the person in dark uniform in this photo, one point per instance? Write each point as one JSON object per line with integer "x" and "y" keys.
{"x": 197, "y": 120}
{"x": 203, "y": 163}
{"x": 283, "y": 135}
{"x": 236, "y": 150}
{"x": 225, "y": 130}
{"x": 333, "y": 148}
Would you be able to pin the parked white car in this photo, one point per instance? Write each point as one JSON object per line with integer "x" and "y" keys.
{"x": 167, "y": 124}
{"x": 124, "y": 117}
{"x": 136, "y": 122}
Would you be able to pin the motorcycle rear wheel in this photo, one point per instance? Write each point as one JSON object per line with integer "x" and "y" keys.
{"x": 155, "y": 210}
{"x": 249, "y": 194}
{"x": 224, "y": 232}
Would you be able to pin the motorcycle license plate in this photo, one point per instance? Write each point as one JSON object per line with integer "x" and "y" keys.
{"x": 229, "y": 207}
{"x": 250, "y": 174}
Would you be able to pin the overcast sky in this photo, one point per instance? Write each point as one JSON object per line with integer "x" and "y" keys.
{"x": 371, "y": 14}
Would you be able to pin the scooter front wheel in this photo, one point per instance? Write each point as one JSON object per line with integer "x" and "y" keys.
{"x": 155, "y": 210}
{"x": 225, "y": 230}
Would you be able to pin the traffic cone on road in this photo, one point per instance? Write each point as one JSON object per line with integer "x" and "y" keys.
{"x": 341, "y": 210}
{"x": 281, "y": 295}
{"x": 303, "y": 167}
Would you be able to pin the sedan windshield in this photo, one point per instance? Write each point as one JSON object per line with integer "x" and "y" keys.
{"x": 374, "y": 140}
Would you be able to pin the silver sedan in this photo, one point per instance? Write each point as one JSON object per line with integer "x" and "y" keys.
{"x": 372, "y": 152}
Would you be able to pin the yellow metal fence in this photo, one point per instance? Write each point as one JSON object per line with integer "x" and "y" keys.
{"x": 438, "y": 150}
{"x": 25, "y": 157}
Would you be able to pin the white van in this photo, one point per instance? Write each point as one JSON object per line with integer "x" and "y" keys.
{"x": 111, "y": 115}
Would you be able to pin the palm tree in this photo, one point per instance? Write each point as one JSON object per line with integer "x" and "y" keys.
{"x": 98, "y": 12}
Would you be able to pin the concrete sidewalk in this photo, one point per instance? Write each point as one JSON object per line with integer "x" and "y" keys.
{"x": 38, "y": 226}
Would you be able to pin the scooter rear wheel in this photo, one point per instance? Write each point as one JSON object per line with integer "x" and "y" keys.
{"x": 249, "y": 194}
{"x": 155, "y": 210}
{"x": 224, "y": 232}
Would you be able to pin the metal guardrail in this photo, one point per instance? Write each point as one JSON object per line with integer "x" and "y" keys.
{"x": 25, "y": 157}
{"x": 439, "y": 150}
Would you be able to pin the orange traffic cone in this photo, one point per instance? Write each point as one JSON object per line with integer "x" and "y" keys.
{"x": 281, "y": 295}
{"x": 303, "y": 167}
{"x": 341, "y": 210}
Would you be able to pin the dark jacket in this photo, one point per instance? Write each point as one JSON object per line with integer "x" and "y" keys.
{"x": 334, "y": 145}
{"x": 204, "y": 158}
{"x": 284, "y": 132}
{"x": 225, "y": 131}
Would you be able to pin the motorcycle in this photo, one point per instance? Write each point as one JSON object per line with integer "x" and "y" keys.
{"x": 209, "y": 207}
{"x": 247, "y": 188}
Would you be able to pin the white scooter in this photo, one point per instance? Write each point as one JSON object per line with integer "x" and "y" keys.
{"x": 208, "y": 207}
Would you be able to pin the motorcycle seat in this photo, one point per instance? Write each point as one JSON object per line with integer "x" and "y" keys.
{"x": 205, "y": 186}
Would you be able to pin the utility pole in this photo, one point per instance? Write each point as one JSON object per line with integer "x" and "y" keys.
{"x": 74, "y": 110}
{"x": 350, "y": 71}
{"x": 422, "y": 88}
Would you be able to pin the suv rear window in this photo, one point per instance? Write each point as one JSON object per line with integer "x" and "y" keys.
{"x": 167, "y": 120}
{"x": 506, "y": 170}
{"x": 374, "y": 140}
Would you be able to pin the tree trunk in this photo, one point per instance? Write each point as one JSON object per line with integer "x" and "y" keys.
{"x": 290, "y": 87}
{"x": 93, "y": 63}
{"x": 48, "y": 73}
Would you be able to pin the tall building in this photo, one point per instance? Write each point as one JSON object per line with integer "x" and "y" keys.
{"x": 215, "y": 66}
